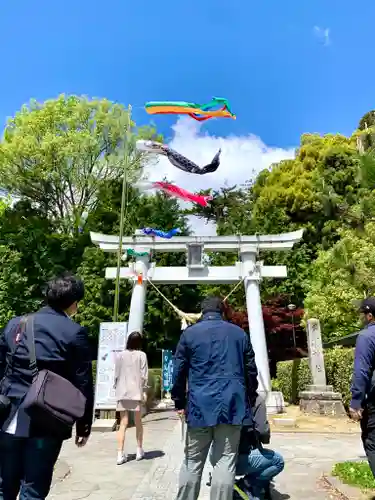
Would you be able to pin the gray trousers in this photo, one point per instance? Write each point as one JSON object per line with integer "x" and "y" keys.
{"x": 224, "y": 440}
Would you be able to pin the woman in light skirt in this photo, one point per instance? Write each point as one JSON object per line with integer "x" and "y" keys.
{"x": 131, "y": 376}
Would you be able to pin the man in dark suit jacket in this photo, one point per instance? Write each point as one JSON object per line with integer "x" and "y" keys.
{"x": 217, "y": 360}
{"x": 27, "y": 453}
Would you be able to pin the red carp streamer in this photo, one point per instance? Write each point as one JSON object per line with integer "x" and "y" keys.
{"x": 177, "y": 192}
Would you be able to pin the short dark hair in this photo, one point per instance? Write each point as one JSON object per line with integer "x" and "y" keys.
{"x": 64, "y": 290}
{"x": 134, "y": 342}
{"x": 212, "y": 304}
{"x": 367, "y": 306}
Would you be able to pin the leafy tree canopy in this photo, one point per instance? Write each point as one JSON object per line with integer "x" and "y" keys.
{"x": 367, "y": 120}
{"x": 56, "y": 154}
{"x": 341, "y": 275}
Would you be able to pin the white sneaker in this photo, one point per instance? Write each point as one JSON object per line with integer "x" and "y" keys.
{"x": 140, "y": 454}
{"x": 122, "y": 458}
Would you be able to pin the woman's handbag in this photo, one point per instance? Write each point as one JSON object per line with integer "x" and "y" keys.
{"x": 52, "y": 402}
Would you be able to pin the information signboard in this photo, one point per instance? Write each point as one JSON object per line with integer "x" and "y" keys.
{"x": 112, "y": 339}
{"x": 167, "y": 370}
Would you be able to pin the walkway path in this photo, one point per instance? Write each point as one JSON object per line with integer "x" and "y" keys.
{"x": 95, "y": 476}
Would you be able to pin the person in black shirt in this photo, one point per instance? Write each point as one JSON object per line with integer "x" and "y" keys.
{"x": 257, "y": 465}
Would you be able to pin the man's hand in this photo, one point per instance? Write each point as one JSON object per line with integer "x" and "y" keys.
{"x": 81, "y": 441}
{"x": 355, "y": 415}
{"x": 181, "y": 413}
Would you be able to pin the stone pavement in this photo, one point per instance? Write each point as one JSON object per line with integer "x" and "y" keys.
{"x": 95, "y": 475}
{"x": 93, "y": 471}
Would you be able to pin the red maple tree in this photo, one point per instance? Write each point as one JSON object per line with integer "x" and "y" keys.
{"x": 286, "y": 339}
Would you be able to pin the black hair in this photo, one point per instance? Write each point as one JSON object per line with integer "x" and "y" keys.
{"x": 367, "y": 306}
{"x": 63, "y": 291}
{"x": 134, "y": 342}
{"x": 212, "y": 304}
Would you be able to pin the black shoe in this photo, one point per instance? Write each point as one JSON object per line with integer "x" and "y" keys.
{"x": 209, "y": 482}
{"x": 267, "y": 492}
{"x": 241, "y": 491}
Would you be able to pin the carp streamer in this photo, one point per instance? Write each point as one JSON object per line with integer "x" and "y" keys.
{"x": 162, "y": 234}
{"x": 216, "y": 108}
{"x": 132, "y": 253}
{"x": 176, "y": 191}
{"x": 177, "y": 159}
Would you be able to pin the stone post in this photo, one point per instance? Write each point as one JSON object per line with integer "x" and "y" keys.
{"x": 319, "y": 397}
{"x": 274, "y": 400}
{"x": 138, "y": 300}
{"x": 316, "y": 357}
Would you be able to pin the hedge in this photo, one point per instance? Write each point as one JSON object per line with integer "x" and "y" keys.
{"x": 154, "y": 384}
{"x": 293, "y": 376}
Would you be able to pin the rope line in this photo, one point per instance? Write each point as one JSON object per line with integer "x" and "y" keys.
{"x": 233, "y": 290}
{"x": 188, "y": 317}
{"x": 176, "y": 309}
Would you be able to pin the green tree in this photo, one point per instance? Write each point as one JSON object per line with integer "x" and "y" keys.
{"x": 56, "y": 154}
{"x": 12, "y": 284}
{"x": 37, "y": 250}
{"x": 230, "y": 209}
{"x": 367, "y": 120}
{"x": 315, "y": 188}
{"x": 315, "y": 191}
{"x": 341, "y": 275}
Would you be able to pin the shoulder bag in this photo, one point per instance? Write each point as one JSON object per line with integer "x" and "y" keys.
{"x": 52, "y": 402}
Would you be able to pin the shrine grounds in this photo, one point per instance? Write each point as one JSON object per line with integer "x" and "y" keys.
{"x": 91, "y": 473}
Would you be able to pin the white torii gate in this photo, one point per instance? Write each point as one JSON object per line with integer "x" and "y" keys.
{"x": 197, "y": 271}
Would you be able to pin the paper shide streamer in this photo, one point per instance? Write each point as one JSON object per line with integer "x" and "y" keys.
{"x": 177, "y": 159}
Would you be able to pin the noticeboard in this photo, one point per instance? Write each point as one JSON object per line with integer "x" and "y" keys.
{"x": 112, "y": 339}
{"x": 167, "y": 370}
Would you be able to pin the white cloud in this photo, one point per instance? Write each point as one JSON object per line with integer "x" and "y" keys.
{"x": 323, "y": 34}
{"x": 242, "y": 158}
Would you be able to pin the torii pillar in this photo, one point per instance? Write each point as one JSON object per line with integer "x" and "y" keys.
{"x": 138, "y": 300}
{"x": 255, "y": 316}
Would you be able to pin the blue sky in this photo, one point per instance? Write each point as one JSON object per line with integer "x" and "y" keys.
{"x": 287, "y": 67}
{"x": 282, "y": 75}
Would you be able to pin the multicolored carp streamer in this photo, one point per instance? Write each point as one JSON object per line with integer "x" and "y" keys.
{"x": 177, "y": 159}
{"x": 162, "y": 234}
{"x": 176, "y": 191}
{"x": 199, "y": 112}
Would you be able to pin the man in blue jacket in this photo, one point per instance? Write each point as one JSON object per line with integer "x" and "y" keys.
{"x": 28, "y": 452}
{"x": 362, "y": 406}
{"x": 215, "y": 358}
